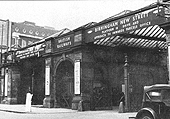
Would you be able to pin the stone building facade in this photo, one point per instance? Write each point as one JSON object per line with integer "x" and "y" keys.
{"x": 93, "y": 65}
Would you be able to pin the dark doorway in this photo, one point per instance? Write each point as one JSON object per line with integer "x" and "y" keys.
{"x": 32, "y": 77}
{"x": 64, "y": 84}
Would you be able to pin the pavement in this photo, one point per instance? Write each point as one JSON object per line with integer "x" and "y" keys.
{"x": 39, "y": 109}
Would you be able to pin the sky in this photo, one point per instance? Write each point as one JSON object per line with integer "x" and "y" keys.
{"x": 69, "y": 14}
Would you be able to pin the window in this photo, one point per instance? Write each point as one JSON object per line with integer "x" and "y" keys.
{"x": 24, "y": 43}
{"x": 153, "y": 96}
{"x": 13, "y": 41}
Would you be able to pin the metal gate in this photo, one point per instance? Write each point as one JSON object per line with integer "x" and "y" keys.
{"x": 64, "y": 83}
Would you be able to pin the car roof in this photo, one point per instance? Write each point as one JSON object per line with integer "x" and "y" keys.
{"x": 156, "y": 86}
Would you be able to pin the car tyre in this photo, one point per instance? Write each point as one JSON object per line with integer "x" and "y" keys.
{"x": 146, "y": 116}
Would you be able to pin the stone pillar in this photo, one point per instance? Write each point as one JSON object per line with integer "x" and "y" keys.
{"x": 48, "y": 100}
{"x": 77, "y": 83}
{"x": 168, "y": 43}
{"x": 7, "y": 87}
{"x": 83, "y": 75}
{"x": 12, "y": 76}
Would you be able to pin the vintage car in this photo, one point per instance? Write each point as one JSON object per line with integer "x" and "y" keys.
{"x": 156, "y": 102}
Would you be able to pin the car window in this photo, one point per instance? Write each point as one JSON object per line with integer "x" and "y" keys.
{"x": 153, "y": 96}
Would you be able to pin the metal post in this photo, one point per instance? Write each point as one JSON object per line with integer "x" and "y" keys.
{"x": 126, "y": 80}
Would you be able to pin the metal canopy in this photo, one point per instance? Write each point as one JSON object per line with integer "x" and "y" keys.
{"x": 151, "y": 37}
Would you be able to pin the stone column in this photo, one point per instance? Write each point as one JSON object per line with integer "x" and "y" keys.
{"x": 12, "y": 76}
{"x": 168, "y": 43}
{"x": 48, "y": 101}
{"x": 77, "y": 79}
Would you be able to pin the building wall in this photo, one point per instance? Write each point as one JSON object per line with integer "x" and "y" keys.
{"x": 26, "y": 33}
{"x": 106, "y": 66}
{"x": 4, "y": 34}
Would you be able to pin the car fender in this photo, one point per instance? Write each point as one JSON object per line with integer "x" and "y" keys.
{"x": 149, "y": 110}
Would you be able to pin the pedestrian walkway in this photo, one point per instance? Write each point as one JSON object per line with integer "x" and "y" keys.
{"x": 38, "y": 109}
{"x": 34, "y": 109}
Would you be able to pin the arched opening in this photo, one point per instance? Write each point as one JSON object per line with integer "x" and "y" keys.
{"x": 64, "y": 84}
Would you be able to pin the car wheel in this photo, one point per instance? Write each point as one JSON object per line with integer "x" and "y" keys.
{"x": 146, "y": 116}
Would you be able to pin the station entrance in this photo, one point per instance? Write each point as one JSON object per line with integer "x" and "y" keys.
{"x": 64, "y": 81}
{"x": 118, "y": 55}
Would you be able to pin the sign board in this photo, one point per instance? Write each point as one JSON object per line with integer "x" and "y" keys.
{"x": 47, "y": 80}
{"x": 30, "y": 51}
{"x": 123, "y": 25}
{"x": 6, "y": 84}
{"x": 77, "y": 77}
{"x": 47, "y": 76}
{"x": 64, "y": 42}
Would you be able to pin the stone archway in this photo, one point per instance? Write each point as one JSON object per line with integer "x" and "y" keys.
{"x": 64, "y": 84}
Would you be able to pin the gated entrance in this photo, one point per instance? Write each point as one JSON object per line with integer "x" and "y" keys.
{"x": 64, "y": 84}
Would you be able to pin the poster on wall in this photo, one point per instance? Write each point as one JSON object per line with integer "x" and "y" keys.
{"x": 6, "y": 84}
{"x": 47, "y": 81}
{"x": 77, "y": 77}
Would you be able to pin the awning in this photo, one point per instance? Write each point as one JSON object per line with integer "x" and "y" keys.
{"x": 150, "y": 37}
{"x": 139, "y": 28}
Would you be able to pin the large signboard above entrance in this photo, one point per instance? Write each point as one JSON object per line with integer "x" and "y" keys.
{"x": 64, "y": 42}
{"x": 123, "y": 25}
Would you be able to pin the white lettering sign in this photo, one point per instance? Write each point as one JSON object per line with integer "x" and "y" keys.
{"x": 47, "y": 81}
{"x": 6, "y": 84}
{"x": 77, "y": 77}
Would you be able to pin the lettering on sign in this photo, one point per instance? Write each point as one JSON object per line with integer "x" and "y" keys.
{"x": 77, "y": 77}
{"x": 134, "y": 22}
{"x": 47, "y": 80}
{"x": 63, "y": 42}
{"x": 29, "y": 52}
